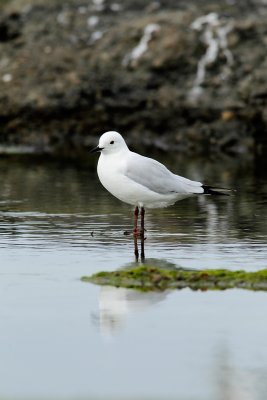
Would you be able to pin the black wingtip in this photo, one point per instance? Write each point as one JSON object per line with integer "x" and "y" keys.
{"x": 217, "y": 191}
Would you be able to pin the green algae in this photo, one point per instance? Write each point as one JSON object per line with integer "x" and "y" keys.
{"x": 149, "y": 278}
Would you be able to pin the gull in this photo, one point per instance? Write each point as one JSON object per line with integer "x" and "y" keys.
{"x": 141, "y": 181}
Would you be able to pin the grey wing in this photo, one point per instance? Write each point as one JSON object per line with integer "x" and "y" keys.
{"x": 156, "y": 177}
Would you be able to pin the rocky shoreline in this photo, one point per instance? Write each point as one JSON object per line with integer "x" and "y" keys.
{"x": 188, "y": 77}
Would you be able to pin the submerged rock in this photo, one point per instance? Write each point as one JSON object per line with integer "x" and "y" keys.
{"x": 148, "y": 278}
{"x": 189, "y": 77}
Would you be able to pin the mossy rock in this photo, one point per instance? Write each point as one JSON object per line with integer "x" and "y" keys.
{"x": 148, "y": 278}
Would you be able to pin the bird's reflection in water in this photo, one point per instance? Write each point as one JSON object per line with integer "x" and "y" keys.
{"x": 116, "y": 303}
{"x": 142, "y": 247}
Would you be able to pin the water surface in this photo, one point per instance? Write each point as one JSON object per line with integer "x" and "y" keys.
{"x": 61, "y": 338}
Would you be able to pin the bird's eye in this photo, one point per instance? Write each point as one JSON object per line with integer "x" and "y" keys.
{"x": 112, "y": 142}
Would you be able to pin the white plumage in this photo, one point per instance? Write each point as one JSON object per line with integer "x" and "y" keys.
{"x": 138, "y": 180}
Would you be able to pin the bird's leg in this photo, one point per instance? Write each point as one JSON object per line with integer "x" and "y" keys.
{"x": 142, "y": 221}
{"x": 136, "y": 213}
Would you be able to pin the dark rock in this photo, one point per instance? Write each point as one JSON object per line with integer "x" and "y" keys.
{"x": 10, "y": 27}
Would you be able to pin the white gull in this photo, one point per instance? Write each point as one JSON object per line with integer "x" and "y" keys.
{"x": 141, "y": 181}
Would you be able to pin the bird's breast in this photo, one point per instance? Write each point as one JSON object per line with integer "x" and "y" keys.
{"x": 110, "y": 173}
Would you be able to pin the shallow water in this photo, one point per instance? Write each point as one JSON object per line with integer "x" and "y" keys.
{"x": 61, "y": 338}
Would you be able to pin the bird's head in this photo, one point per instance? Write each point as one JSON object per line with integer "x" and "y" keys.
{"x": 110, "y": 142}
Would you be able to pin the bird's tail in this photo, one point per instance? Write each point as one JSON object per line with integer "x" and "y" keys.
{"x": 217, "y": 191}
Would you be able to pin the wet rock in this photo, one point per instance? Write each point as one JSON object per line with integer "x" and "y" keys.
{"x": 188, "y": 77}
{"x": 151, "y": 278}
